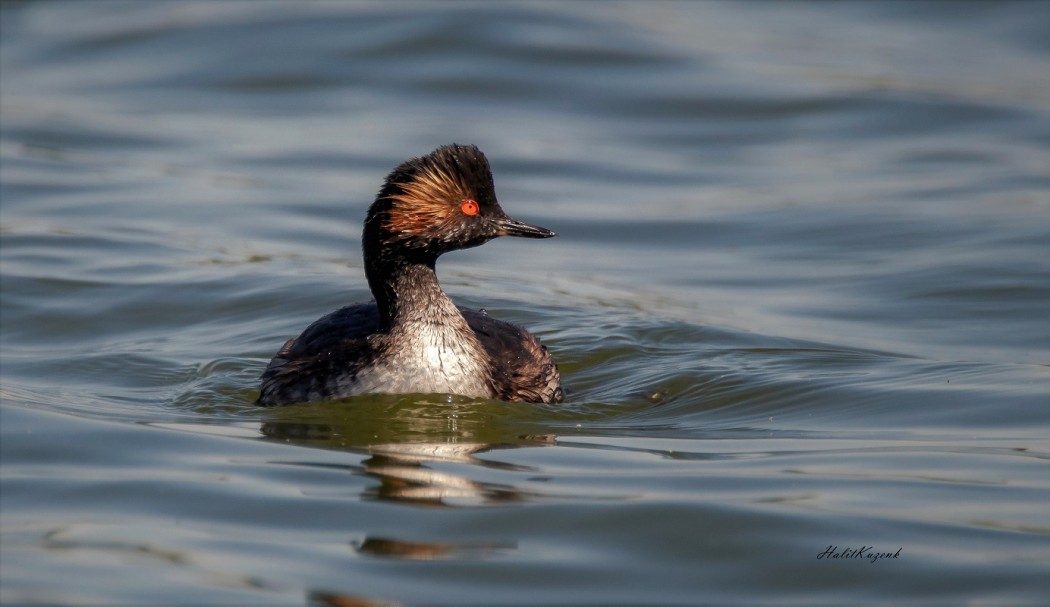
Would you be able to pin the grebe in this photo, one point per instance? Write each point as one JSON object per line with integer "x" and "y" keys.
{"x": 412, "y": 338}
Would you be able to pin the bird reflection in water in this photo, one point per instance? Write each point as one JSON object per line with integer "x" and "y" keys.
{"x": 427, "y": 551}
{"x": 407, "y": 446}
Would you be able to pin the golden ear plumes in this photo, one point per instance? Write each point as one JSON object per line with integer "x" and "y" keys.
{"x": 426, "y": 203}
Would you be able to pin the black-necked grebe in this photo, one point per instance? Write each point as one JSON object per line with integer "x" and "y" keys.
{"x": 412, "y": 338}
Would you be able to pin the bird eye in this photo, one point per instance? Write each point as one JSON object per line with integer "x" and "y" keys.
{"x": 470, "y": 207}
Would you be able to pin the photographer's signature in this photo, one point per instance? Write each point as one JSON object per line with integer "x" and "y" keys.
{"x": 864, "y": 552}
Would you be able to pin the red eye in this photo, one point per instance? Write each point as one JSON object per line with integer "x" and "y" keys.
{"x": 470, "y": 207}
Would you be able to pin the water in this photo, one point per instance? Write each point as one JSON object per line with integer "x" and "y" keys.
{"x": 799, "y": 298}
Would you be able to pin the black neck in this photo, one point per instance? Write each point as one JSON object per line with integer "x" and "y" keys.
{"x": 406, "y": 291}
{"x": 400, "y": 275}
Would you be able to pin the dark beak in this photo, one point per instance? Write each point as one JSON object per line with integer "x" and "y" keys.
{"x": 505, "y": 226}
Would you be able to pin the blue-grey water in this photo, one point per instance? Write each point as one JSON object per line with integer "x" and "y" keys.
{"x": 800, "y": 298}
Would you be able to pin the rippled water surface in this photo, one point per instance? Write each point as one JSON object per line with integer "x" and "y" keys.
{"x": 799, "y": 297}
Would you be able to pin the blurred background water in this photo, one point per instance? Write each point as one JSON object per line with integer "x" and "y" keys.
{"x": 800, "y": 299}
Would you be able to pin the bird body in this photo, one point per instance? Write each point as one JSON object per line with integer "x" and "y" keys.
{"x": 413, "y": 338}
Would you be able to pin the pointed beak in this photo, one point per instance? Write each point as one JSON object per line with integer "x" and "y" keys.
{"x": 505, "y": 226}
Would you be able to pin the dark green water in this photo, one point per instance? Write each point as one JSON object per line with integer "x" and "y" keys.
{"x": 799, "y": 297}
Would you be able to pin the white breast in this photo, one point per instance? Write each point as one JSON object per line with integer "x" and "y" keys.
{"x": 428, "y": 358}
